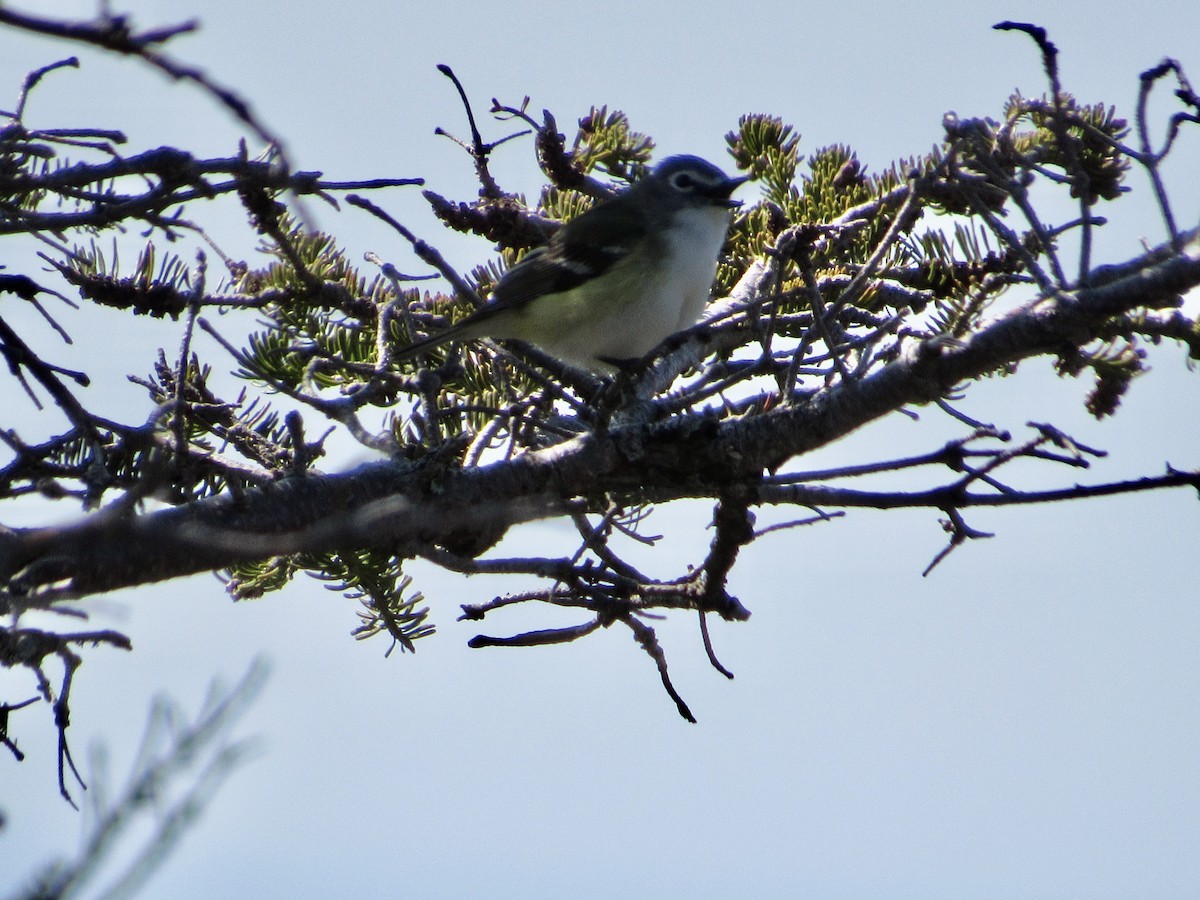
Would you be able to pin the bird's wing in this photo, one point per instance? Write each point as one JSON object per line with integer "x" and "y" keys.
{"x": 584, "y": 248}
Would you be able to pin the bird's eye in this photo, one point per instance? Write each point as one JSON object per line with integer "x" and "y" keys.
{"x": 682, "y": 181}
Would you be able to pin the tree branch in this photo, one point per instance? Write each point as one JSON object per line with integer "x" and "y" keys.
{"x": 394, "y": 504}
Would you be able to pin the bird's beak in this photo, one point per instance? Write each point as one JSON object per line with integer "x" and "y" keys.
{"x": 720, "y": 193}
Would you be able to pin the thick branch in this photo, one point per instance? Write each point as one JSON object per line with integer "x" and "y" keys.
{"x": 408, "y": 509}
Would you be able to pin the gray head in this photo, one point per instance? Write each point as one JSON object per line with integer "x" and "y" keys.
{"x": 692, "y": 181}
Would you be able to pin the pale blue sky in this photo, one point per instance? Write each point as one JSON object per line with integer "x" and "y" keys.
{"x": 1021, "y": 723}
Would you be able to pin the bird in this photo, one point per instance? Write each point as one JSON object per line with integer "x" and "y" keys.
{"x": 615, "y": 281}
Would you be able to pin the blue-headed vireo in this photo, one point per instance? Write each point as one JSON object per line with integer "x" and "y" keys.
{"x": 615, "y": 281}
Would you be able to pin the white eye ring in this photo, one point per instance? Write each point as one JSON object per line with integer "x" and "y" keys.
{"x": 683, "y": 181}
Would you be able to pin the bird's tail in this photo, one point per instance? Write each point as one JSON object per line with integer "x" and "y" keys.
{"x": 457, "y": 332}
